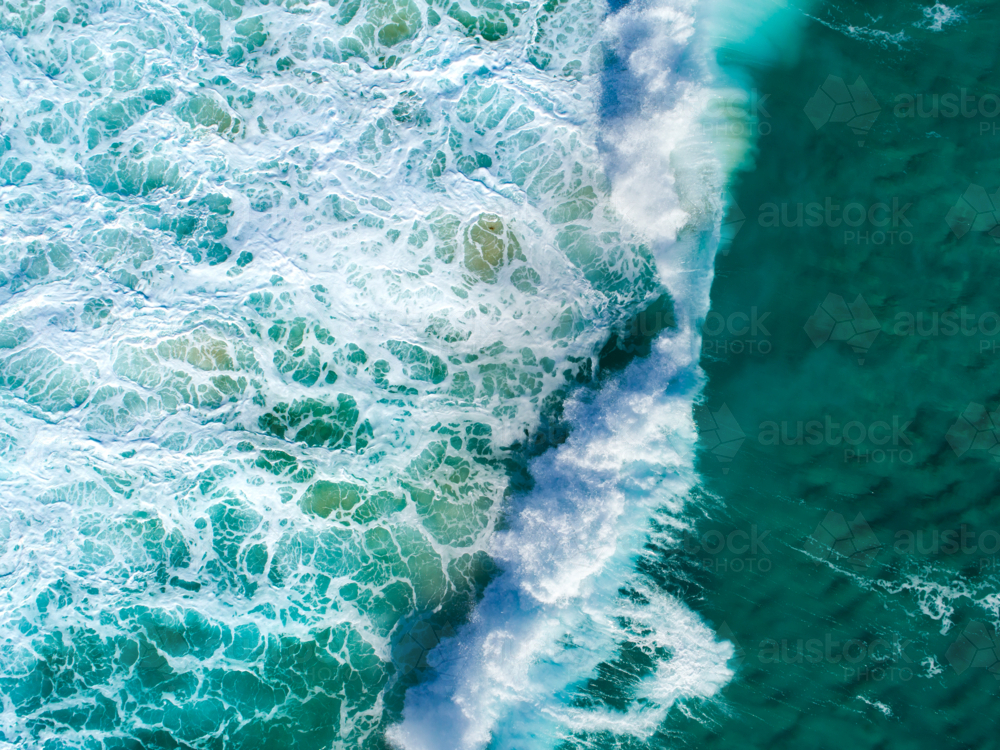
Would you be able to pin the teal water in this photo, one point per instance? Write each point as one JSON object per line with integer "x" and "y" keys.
{"x": 430, "y": 375}
{"x": 855, "y": 563}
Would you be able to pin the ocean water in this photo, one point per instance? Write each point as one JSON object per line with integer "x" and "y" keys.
{"x": 848, "y": 547}
{"x": 347, "y": 351}
{"x": 405, "y": 374}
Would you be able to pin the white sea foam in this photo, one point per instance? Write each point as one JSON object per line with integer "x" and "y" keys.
{"x": 557, "y": 611}
{"x": 939, "y": 15}
{"x": 885, "y": 709}
{"x": 870, "y": 34}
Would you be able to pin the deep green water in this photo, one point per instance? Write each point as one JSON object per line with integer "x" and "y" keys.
{"x": 856, "y": 649}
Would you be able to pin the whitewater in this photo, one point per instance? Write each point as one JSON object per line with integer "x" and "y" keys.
{"x": 309, "y": 429}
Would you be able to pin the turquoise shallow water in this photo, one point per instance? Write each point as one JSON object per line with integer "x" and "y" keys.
{"x": 365, "y": 380}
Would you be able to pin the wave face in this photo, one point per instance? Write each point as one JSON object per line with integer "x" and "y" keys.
{"x": 289, "y": 290}
{"x": 572, "y": 645}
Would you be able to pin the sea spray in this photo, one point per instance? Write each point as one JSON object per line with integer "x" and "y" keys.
{"x": 558, "y": 611}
